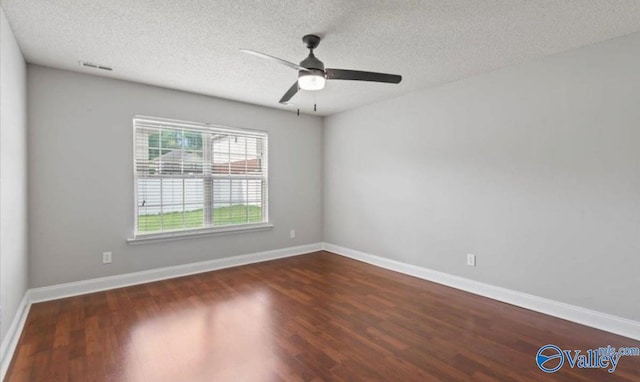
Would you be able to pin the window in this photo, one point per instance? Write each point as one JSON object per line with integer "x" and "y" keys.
{"x": 193, "y": 177}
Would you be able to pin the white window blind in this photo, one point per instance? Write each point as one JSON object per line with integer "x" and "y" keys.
{"x": 191, "y": 176}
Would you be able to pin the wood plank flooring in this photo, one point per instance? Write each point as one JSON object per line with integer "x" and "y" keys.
{"x": 306, "y": 318}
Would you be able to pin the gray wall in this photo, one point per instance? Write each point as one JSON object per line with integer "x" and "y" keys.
{"x": 81, "y": 176}
{"x": 13, "y": 175}
{"x": 534, "y": 168}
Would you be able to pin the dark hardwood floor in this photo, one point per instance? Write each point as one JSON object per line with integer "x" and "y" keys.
{"x": 306, "y": 318}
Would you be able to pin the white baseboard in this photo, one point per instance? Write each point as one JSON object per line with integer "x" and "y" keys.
{"x": 118, "y": 281}
{"x": 603, "y": 321}
{"x": 10, "y": 340}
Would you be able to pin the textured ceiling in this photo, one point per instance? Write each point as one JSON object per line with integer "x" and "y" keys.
{"x": 194, "y": 45}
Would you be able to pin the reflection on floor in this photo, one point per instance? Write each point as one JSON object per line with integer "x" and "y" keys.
{"x": 229, "y": 341}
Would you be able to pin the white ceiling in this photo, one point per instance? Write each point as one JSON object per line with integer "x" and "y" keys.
{"x": 193, "y": 45}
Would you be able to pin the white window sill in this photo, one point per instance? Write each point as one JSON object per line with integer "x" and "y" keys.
{"x": 194, "y": 233}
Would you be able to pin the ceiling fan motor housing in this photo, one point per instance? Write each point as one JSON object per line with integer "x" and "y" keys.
{"x": 311, "y": 62}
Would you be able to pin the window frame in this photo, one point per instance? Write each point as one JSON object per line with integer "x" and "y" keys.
{"x": 184, "y": 233}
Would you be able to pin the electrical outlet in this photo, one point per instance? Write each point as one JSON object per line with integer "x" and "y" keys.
{"x": 471, "y": 260}
{"x": 106, "y": 257}
{"x": 292, "y": 234}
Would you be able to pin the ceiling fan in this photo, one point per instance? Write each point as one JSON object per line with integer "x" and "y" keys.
{"x": 312, "y": 74}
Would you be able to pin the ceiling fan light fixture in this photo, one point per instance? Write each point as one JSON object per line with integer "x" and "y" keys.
{"x": 312, "y": 74}
{"x": 312, "y": 80}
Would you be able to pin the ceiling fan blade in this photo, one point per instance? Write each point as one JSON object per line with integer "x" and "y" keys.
{"x": 290, "y": 93}
{"x": 356, "y": 75}
{"x": 276, "y": 59}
